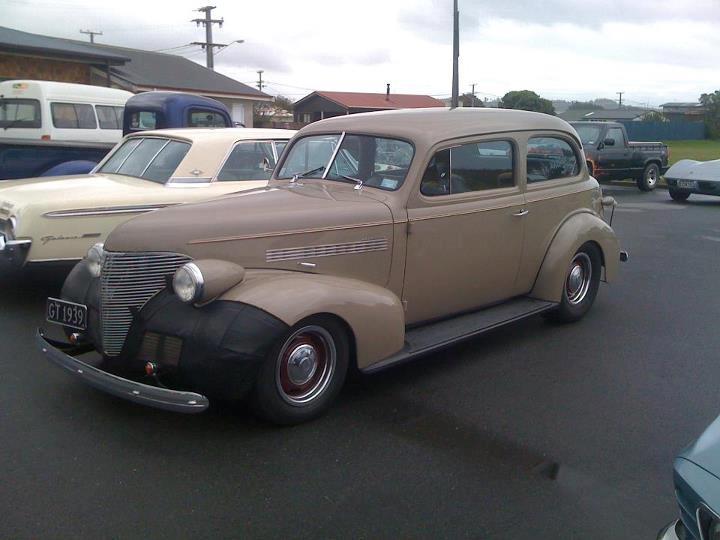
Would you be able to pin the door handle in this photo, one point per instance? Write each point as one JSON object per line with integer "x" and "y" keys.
{"x": 521, "y": 213}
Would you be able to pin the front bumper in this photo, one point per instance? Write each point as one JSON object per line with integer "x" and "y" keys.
{"x": 13, "y": 252}
{"x": 152, "y": 396}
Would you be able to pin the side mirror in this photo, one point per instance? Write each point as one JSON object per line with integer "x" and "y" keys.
{"x": 609, "y": 142}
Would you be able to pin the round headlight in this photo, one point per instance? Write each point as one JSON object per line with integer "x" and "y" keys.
{"x": 188, "y": 283}
{"x": 94, "y": 258}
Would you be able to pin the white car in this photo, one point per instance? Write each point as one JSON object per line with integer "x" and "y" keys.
{"x": 56, "y": 220}
{"x": 688, "y": 176}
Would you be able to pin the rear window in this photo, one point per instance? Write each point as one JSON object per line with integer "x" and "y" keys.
{"x": 203, "y": 118}
{"x": 73, "y": 116}
{"x": 109, "y": 117}
{"x": 143, "y": 120}
{"x": 20, "y": 113}
{"x": 150, "y": 158}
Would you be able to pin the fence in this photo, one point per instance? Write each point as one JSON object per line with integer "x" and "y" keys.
{"x": 665, "y": 131}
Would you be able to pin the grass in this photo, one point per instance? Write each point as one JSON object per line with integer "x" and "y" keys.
{"x": 699, "y": 150}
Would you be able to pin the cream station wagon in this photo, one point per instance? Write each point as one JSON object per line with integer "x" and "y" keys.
{"x": 56, "y": 220}
{"x": 380, "y": 237}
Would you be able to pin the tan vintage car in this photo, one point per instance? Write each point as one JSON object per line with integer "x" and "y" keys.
{"x": 381, "y": 237}
{"x": 56, "y": 220}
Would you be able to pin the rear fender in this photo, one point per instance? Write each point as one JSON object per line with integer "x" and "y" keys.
{"x": 374, "y": 314}
{"x": 573, "y": 233}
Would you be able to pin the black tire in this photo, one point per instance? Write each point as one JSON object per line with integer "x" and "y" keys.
{"x": 578, "y": 299}
{"x": 678, "y": 194}
{"x": 650, "y": 177}
{"x": 317, "y": 348}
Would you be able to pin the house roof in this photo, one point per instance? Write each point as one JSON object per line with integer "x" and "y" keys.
{"x": 164, "y": 71}
{"x": 682, "y": 105}
{"x": 363, "y": 100}
{"x": 144, "y": 69}
{"x": 616, "y": 114}
{"x": 24, "y": 42}
{"x": 572, "y": 115}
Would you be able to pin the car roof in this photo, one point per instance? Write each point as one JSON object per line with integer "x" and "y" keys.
{"x": 218, "y": 135}
{"x": 439, "y": 123}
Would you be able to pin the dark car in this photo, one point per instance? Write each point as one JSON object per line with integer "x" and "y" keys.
{"x": 610, "y": 156}
{"x": 696, "y": 475}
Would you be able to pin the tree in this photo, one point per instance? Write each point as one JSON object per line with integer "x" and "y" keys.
{"x": 711, "y": 102}
{"x": 526, "y": 100}
{"x": 468, "y": 100}
{"x": 285, "y": 103}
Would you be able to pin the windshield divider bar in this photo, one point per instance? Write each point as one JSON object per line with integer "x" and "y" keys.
{"x": 334, "y": 155}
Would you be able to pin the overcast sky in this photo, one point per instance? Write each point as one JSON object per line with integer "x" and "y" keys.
{"x": 653, "y": 50}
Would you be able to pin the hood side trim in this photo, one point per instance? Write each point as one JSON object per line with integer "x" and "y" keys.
{"x": 105, "y": 211}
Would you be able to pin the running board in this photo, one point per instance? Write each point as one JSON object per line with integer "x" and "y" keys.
{"x": 437, "y": 335}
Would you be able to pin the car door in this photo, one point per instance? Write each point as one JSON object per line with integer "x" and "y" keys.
{"x": 555, "y": 187}
{"x": 465, "y": 228}
{"x": 616, "y": 157}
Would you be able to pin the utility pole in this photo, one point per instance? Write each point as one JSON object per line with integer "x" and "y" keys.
{"x": 456, "y": 54}
{"x": 92, "y": 34}
{"x": 620, "y": 101}
{"x": 208, "y": 44}
{"x": 260, "y": 81}
{"x": 473, "y": 94}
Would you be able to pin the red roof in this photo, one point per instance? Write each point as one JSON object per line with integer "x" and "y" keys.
{"x": 362, "y": 100}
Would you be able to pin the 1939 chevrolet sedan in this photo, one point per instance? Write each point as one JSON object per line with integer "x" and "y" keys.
{"x": 380, "y": 237}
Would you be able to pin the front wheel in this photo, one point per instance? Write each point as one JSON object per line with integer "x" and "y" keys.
{"x": 678, "y": 195}
{"x": 649, "y": 177}
{"x": 581, "y": 285}
{"x": 303, "y": 373}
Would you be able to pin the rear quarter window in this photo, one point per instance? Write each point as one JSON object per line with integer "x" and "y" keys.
{"x": 550, "y": 158}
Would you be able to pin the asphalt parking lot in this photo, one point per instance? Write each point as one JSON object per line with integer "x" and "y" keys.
{"x": 534, "y": 431}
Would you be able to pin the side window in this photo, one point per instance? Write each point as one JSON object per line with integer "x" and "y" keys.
{"x": 143, "y": 120}
{"x": 201, "y": 118}
{"x": 549, "y": 158}
{"x": 249, "y": 160}
{"x": 616, "y": 135}
{"x": 73, "y": 116}
{"x": 468, "y": 168}
{"x": 109, "y": 117}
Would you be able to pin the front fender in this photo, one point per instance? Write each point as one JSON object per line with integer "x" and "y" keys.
{"x": 573, "y": 233}
{"x": 374, "y": 314}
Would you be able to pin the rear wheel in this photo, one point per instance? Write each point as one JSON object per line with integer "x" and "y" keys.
{"x": 303, "y": 373}
{"x": 650, "y": 177}
{"x": 581, "y": 284}
{"x": 678, "y": 194}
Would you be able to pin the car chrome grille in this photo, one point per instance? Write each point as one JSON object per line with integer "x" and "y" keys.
{"x": 127, "y": 281}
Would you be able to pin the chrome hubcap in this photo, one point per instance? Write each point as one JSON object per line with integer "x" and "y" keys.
{"x": 651, "y": 177}
{"x": 305, "y": 365}
{"x": 578, "y": 279}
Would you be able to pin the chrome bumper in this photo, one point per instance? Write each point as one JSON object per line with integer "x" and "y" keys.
{"x": 152, "y": 396}
{"x": 669, "y": 532}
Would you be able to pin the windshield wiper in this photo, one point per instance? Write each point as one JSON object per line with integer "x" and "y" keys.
{"x": 352, "y": 179}
{"x": 12, "y": 124}
{"x": 296, "y": 177}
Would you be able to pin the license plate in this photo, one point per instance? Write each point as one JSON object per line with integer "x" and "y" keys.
{"x": 66, "y": 313}
{"x": 687, "y": 184}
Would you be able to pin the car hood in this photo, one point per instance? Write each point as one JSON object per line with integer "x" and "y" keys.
{"x": 267, "y": 217}
{"x": 689, "y": 169}
{"x": 705, "y": 451}
{"x": 75, "y": 192}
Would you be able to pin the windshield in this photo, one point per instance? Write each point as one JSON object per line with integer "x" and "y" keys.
{"x": 372, "y": 161}
{"x": 150, "y": 158}
{"x": 588, "y": 134}
{"x": 20, "y": 113}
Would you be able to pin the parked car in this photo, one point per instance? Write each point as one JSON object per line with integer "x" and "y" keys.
{"x": 163, "y": 110}
{"x": 381, "y": 237}
{"x": 696, "y": 475}
{"x": 610, "y": 156}
{"x": 50, "y": 128}
{"x": 48, "y": 221}
{"x": 688, "y": 176}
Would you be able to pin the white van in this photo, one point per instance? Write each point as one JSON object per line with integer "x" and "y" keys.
{"x": 55, "y": 111}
